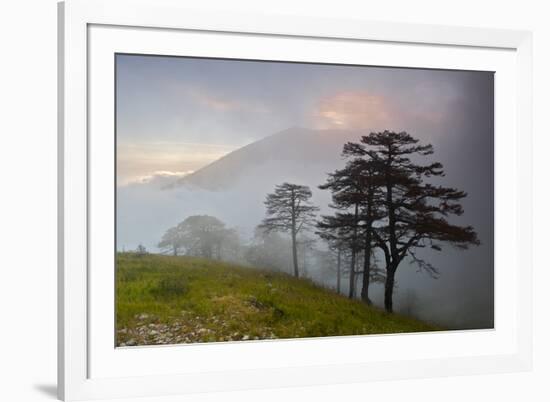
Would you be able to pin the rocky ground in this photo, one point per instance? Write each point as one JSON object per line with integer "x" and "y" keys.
{"x": 187, "y": 329}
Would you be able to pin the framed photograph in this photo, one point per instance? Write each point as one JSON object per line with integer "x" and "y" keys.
{"x": 254, "y": 201}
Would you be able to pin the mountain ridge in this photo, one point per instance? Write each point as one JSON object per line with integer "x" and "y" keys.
{"x": 293, "y": 149}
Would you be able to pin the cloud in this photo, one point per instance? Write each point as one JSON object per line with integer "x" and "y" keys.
{"x": 163, "y": 174}
{"x": 143, "y": 161}
{"x": 159, "y": 178}
{"x": 352, "y": 110}
{"x": 215, "y": 102}
{"x": 223, "y": 103}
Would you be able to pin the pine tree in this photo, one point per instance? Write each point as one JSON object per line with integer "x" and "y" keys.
{"x": 288, "y": 209}
{"x": 355, "y": 197}
{"x": 415, "y": 212}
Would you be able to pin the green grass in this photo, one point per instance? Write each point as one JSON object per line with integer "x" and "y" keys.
{"x": 162, "y": 299}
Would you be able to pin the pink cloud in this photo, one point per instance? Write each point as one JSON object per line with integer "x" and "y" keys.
{"x": 214, "y": 102}
{"x": 353, "y": 110}
{"x": 221, "y": 103}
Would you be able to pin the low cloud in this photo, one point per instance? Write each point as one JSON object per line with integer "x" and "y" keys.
{"x": 137, "y": 162}
{"x": 161, "y": 177}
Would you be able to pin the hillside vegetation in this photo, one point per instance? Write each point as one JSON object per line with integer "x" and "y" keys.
{"x": 167, "y": 300}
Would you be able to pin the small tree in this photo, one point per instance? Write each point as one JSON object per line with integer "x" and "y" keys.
{"x": 269, "y": 250}
{"x": 172, "y": 241}
{"x": 305, "y": 247}
{"x": 356, "y": 198}
{"x": 141, "y": 250}
{"x": 288, "y": 209}
{"x": 337, "y": 250}
{"x": 342, "y": 230}
{"x": 199, "y": 235}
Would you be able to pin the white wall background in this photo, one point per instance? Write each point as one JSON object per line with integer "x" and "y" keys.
{"x": 28, "y": 198}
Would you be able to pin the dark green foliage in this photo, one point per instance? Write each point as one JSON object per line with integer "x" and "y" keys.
{"x": 415, "y": 212}
{"x": 170, "y": 286}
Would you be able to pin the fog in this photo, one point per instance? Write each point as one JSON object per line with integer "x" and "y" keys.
{"x": 462, "y": 297}
{"x": 451, "y": 110}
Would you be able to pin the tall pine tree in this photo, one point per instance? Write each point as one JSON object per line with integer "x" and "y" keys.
{"x": 288, "y": 209}
{"x": 415, "y": 212}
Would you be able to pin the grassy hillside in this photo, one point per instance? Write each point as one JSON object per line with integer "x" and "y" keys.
{"x": 166, "y": 300}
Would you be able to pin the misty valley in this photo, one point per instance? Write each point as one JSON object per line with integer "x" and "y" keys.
{"x": 304, "y": 233}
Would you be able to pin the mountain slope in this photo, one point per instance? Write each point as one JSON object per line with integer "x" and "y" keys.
{"x": 293, "y": 151}
{"x": 167, "y": 300}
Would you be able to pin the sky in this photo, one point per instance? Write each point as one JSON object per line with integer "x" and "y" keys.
{"x": 177, "y": 114}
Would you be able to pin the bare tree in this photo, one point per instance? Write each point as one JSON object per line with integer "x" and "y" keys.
{"x": 288, "y": 209}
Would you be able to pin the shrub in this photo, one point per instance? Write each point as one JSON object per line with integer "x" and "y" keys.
{"x": 141, "y": 250}
{"x": 169, "y": 287}
{"x": 128, "y": 275}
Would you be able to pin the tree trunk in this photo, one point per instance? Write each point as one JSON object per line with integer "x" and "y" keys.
{"x": 388, "y": 291}
{"x": 368, "y": 246}
{"x": 294, "y": 254}
{"x": 351, "y": 293}
{"x": 353, "y": 253}
{"x": 338, "y": 269}
{"x": 304, "y": 267}
{"x": 293, "y": 230}
{"x": 219, "y": 250}
{"x": 394, "y": 255}
{"x": 366, "y": 273}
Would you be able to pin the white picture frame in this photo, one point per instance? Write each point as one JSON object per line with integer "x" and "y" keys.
{"x": 89, "y": 368}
